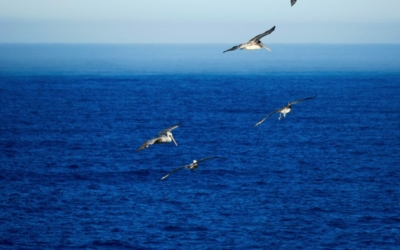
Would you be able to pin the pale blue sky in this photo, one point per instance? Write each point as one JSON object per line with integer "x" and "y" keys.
{"x": 199, "y": 21}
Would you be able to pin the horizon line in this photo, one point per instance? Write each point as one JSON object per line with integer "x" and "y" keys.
{"x": 186, "y": 43}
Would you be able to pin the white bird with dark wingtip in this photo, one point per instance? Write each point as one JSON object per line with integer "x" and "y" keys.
{"x": 293, "y": 2}
{"x": 253, "y": 43}
{"x": 283, "y": 111}
{"x": 192, "y": 166}
{"x": 164, "y": 136}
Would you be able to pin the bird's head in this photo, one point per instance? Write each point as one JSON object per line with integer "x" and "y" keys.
{"x": 169, "y": 134}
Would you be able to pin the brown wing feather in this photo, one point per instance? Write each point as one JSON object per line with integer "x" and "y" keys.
{"x": 258, "y": 37}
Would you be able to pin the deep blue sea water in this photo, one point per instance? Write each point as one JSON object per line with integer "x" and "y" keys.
{"x": 325, "y": 177}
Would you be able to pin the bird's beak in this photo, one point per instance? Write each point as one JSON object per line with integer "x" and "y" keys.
{"x": 172, "y": 137}
{"x": 265, "y": 47}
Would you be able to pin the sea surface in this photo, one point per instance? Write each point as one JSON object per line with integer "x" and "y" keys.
{"x": 324, "y": 177}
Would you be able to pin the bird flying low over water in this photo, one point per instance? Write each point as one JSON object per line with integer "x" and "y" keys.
{"x": 164, "y": 136}
{"x": 253, "y": 43}
{"x": 293, "y": 2}
{"x": 192, "y": 166}
{"x": 283, "y": 111}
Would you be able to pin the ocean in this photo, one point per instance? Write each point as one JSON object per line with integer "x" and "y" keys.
{"x": 324, "y": 177}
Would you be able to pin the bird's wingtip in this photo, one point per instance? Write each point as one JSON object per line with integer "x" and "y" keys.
{"x": 164, "y": 177}
{"x": 142, "y": 147}
{"x": 259, "y": 123}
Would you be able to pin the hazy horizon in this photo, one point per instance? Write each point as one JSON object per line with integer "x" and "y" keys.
{"x": 185, "y": 43}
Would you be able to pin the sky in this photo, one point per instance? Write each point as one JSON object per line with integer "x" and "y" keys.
{"x": 199, "y": 21}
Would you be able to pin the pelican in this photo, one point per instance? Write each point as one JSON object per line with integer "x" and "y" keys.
{"x": 293, "y": 2}
{"x": 283, "y": 111}
{"x": 253, "y": 43}
{"x": 192, "y": 166}
{"x": 164, "y": 136}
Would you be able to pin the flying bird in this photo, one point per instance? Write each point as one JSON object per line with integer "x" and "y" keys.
{"x": 192, "y": 166}
{"x": 284, "y": 110}
{"x": 253, "y": 43}
{"x": 293, "y": 2}
{"x": 164, "y": 136}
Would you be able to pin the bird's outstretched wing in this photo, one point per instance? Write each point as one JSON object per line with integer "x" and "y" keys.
{"x": 169, "y": 129}
{"x": 188, "y": 166}
{"x": 265, "y": 118}
{"x": 173, "y": 171}
{"x": 233, "y": 48}
{"x": 301, "y": 100}
{"x": 258, "y": 37}
{"x": 293, "y": 2}
{"x": 208, "y": 158}
{"x": 148, "y": 143}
